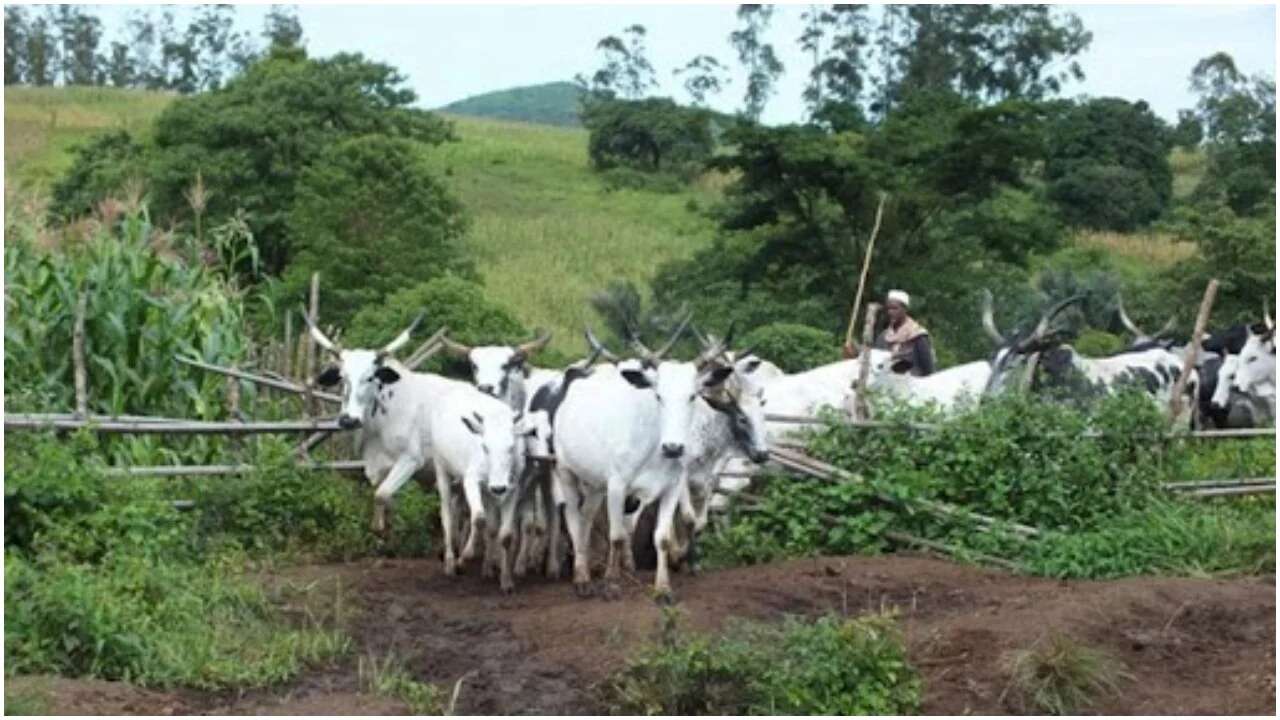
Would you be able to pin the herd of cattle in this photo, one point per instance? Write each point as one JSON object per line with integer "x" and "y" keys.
{"x": 537, "y": 451}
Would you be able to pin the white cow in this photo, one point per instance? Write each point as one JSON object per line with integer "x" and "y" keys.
{"x": 390, "y": 405}
{"x": 624, "y": 435}
{"x": 1254, "y": 375}
{"x": 479, "y": 443}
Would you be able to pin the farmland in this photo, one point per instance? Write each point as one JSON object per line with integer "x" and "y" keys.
{"x": 269, "y": 593}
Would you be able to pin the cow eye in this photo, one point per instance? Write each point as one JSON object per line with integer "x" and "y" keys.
{"x": 692, "y": 396}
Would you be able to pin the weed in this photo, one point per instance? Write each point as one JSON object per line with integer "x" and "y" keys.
{"x": 1059, "y": 676}
{"x": 388, "y": 677}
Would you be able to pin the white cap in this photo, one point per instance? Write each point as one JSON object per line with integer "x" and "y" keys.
{"x": 900, "y": 297}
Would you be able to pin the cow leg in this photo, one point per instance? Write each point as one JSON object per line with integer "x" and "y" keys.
{"x": 447, "y": 510}
{"x": 400, "y": 473}
{"x": 563, "y": 494}
{"x": 506, "y": 538}
{"x": 578, "y": 520}
{"x": 475, "y": 500}
{"x": 663, "y": 541}
{"x": 616, "y": 512}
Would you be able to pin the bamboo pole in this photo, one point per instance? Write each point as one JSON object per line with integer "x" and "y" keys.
{"x": 313, "y": 312}
{"x": 1193, "y": 349}
{"x": 862, "y": 278}
{"x": 1231, "y": 482}
{"x": 286, "y": 360}
{"x": 258, "y": 379}
{"x": 860, "y": 410}
{"x": 77, "y": 356}
{"x": 133, "y": 427}
{"x": 1224, "y": 491}
{"x": 350, "y": 466}
{"x": 428, "y": 348}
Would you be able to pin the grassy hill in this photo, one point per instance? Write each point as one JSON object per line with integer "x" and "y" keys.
{"x": 544, "y": 230}
{"x": 554, "y": 103}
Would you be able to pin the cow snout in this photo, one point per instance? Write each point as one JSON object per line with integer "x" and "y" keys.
{"x": 346, "y": 422}
{"x": 498, "y": 490}
{"x": 672, "y": 450}
{"x": 759, "y": 457}
{"x": 486, "y": 389}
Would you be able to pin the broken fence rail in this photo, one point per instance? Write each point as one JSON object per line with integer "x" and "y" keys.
{"x": 35, "y": 421}
{"x": 1236, "y": 433}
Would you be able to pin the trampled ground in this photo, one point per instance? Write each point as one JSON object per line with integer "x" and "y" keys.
{"x": 1192, "y": 646}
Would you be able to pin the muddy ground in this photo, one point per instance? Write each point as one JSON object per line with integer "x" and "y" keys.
{"x": 1192, "y": 646}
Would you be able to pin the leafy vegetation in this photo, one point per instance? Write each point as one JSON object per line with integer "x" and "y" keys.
{"x": 829, "y": 666}
{"x": 793, "y": 348}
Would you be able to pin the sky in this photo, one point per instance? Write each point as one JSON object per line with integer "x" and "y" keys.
{"x": 449, "y": 52}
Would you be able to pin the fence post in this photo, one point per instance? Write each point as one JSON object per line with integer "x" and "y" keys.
{"x": 864, "y": 363}
{"x": 286, "y": 360}
{"x": 1193, "y": 349}
{"x": 314, "y": 313}
{"x": 77, "y": 355}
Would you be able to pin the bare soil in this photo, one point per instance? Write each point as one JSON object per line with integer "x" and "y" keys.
{"x": 1192, "y": 646}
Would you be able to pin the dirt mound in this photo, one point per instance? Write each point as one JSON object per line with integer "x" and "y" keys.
{"x": 1192, "y": 646}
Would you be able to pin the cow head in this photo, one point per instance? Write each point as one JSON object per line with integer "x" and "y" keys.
{"x": 499, "y": 370}
{"x": 362, "y": 373}
{"x": 1010, "y": 354}
{"x": 1255, "y": 367}
{"x": 503, "y": 437}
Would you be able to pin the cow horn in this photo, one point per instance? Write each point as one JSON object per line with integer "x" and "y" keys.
{"x": 455, "y": 348}
{"x": 403, "y": 338}
{"x": 318, "y": 336}
{"x": 716, "y": 348}
{"x": 598, "y": 350}
{"x": 1167, "y": 329}
{"x": 988, "y": 319}
{"x": 1266, "y": 317}
{"x": 675, "y": 336}
{"x": 1124, "y": 319}
{"x": 534, "y": 345}
{"x": 1048, "y": 317}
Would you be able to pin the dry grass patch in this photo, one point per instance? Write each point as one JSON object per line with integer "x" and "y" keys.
{"x": 1153, "y": 249}
{"x": 1059, "y": 676}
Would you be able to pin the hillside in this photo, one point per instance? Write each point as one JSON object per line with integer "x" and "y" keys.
{"x": 554, "y": 103}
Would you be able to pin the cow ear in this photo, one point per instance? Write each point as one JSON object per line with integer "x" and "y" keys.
{"x": 717, "y": 376}
{"x": 330, "y": 377}
{"x": 386, "y": 375}
{"x": 472, "y": 425}
{"x": 752, "y": 365}
{"x": 637, "y": 378}
{"x": 718, "y": 404}
{"x": 900, "y": 367}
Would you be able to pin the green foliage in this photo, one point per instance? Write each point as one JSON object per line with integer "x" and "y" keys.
{"x": 830, "y": 666}
{"x": 554, "y": 103}
{"x": 1239, "y": 251}
{"x": 371, "y": 218}
{"x": 101, "y": 167}
{"x": 652, "y": 135}
{"x": 1097, "y": 343}
{"x": 389, "y": 677}
{"x": 794, "y": 348}
{"x": 1108, "y": 164}
{"x": 1059, "y": 676}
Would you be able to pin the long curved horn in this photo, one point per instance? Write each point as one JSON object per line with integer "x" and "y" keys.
{"x": 598, "y": 350}
{"x": 1048, "y": 317}
{"x": 318, "y": 336}
{"x": 989, "y": 321}
{"x": 646, "y": 355}
{"x": 1266, "y": 317}
{"x": 1130, "y": 325}
{"x": 534, "y": 345}
{"x": 403, "y": 338}
{"x": 455, "y": 348}
{"x": 716, "y": 349}
{"x": 1167, "y": 329}
{"x": 675, "y": 336}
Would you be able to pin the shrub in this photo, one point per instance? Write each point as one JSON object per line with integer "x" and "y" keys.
{"x": 371, "y": 218}
{"x": 100, "y": 167}
{"x": 830, "y": 666}
{"x": 794, "y": 348}
{"x": 1105, "y": 197}
{"x": 1096, "y": 343}
{"x": 654, "y": 134}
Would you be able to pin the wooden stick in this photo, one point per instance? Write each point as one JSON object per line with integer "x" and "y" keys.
{"x": 213, "y": 470}
{"x": 259, "y": 379}
{"x": 1219, "y": 492}
{"x": 286, "y": 364}
{"x": 77, "y": 356}
{"x": 1193, "y": 349}
{"x": 866, "y": 265}
{"x": 133, "y": 427}
{"x": 1230, "y": 482}
{"x": 429, "y": 347}
{"x": 860, "y": 410}
{"x": 309, "y": 407}
{"x": 953, "y": 551}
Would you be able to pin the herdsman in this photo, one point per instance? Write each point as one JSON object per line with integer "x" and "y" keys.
{"x": 907, "y": 340}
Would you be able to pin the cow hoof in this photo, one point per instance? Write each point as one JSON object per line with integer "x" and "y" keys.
{"x": 664, "y": 598}
{"x": 508, "y": 589}
{"x": 612, "y": 591}
{"x": 583, "y": 589}
{"x": 553, "y": 571}
{"x": 450, "y": 568}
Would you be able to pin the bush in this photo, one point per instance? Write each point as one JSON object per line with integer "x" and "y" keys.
{"x": 1096, "y": 343}
{"x": 652, "y": 135}
{"x": 794, "y": 348}
{"x": 100, "y": 168}
{"x": 371, "y": 218}
{"x": 1105, "y": 197}
{"x": 830, "y": 666}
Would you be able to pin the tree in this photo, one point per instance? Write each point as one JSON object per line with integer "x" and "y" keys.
{"x": 625, "y": 71}
{"x": 119, "y": 67}
{"x": 15, "y": 40}
{"x": 651, "y": 135}
{"x": 81, "y": 34}
{"x": 371, "y": 218}
{"x": 210, "y": 33}
{"x": 143, "y": 42}
{"x": 1238, "y": 115}
{"x": 843, "y": 70}
{"x": 282, "y": 27}
{"x": 815, "y": 20}
{"x": 763, "y": 66}
{"x": 704, "y": 75}
{"x": 1188, "y": 132}
{"x": 43, "y": 59}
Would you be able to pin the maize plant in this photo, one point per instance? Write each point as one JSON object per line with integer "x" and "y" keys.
{"x": 143, "y": 308}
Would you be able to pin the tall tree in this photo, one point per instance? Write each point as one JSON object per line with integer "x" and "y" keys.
{"x": 816, "y": 19}
{"x": 626, "y": 69}
{"x": 120, "y": 66}
{"x": 15, "y": 40}
{"x": 703, "y": 76}
{"x": 142, "y": 44}
{"x": 282, "y": 27}
{"x": 42, "y": 53}
{"x": 82, "y": 33}
{"x": 211, "y": 32}
{"x": 762, "y": 64}
{"x": 844, "y": 68}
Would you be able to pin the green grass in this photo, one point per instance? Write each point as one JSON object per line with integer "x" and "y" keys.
{"x": 545, "y": 231}
{"x": 41, "y": 124}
